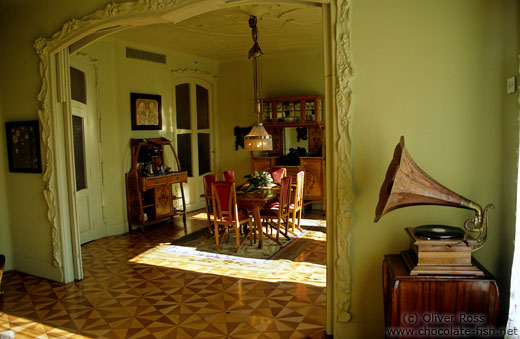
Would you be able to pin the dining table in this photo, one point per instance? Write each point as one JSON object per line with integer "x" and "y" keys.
{"x": 254, "y": 201}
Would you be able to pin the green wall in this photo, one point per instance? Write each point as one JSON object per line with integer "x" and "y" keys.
{"x": 435, "y": 72}
{"x": 282, "y": 75}
{"x": 5, "y": 231}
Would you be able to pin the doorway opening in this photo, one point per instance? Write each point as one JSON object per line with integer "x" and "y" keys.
{"x": 54, "y": 55}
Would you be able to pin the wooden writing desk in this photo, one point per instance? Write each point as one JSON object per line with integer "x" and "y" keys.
{"x": 150, "y": 197}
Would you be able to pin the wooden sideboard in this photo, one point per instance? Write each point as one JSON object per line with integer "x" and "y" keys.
{"x": 437, "y": 305}
{"x": 149, "y": 192}
{"x": 303, "y": 116}
{"x": 314, "y": 168}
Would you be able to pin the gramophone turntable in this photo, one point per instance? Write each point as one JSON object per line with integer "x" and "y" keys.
{"x": 434, "y": 249}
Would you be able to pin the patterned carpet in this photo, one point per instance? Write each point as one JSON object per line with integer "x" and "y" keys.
{"x": 121, "y": 296}
{"x": 200, "y": 241}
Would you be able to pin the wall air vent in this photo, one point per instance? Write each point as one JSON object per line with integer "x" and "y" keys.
{"x": 144, "y": 55}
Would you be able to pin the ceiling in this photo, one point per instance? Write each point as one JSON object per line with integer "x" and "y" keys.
{"x": 225, "y": 34}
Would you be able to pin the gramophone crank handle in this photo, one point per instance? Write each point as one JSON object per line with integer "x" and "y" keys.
{"x": 479, "y": 223}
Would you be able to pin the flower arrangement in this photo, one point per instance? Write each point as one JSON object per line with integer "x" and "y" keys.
{"x": 258, "y": 179}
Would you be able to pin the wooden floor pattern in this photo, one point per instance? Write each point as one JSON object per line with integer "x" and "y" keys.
{"x": 121, "y": 299}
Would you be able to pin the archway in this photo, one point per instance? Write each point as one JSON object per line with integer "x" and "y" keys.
{"x": 57, "y": 138}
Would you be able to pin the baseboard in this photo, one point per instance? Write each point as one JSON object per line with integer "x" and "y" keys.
{"x": 195, "y": 206}
{"x": 38, "y": 268}
{"x": 117, "y": 228}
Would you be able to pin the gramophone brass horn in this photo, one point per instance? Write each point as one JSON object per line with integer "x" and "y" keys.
{"x": 408, "y": 185}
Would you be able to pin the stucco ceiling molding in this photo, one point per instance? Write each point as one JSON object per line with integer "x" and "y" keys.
{"x": 108, "y": 19}
{"x": 193, "y": 72}
{"x": 345, "y": 192}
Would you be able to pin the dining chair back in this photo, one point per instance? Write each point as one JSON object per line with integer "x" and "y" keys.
{"x": 296, "y": 207}
{"x": 209, "y": 180}
{"x": 279, "y": 211}
{"x": 228, "y": 175}
{"x": 285, "y": 195}
{"x": 278, "y": 173}
{"x": 226, "y": 214}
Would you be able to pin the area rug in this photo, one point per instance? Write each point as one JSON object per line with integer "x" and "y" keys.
{"x": 200, "y": 241}
{"x": 193, "y": 258}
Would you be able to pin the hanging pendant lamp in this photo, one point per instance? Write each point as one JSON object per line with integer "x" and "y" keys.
{"x": 257, "y": 139}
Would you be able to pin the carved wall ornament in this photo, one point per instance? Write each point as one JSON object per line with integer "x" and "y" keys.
{"x": 49, "y": 192}
{"x": 345, "y": 192}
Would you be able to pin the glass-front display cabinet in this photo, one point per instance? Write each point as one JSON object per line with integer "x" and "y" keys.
{"x": 297, "y": 128}
{"x": 298, "y": 109}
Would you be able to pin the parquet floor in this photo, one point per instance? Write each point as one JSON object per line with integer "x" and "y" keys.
{"x": 119, "y": 298}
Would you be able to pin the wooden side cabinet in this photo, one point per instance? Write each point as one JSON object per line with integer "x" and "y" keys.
{"x": 314, "y": 187}
{"x": 149, "y": 192}
{"x": 438, "y": 306}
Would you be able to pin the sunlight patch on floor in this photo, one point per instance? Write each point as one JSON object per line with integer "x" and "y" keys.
{"x": 313, "y": 235}
{"x": 313, "y": 222}
{"x": 26, "y": 328}
{"x": 200, "y": 216}
{"x": 188, "y": 258}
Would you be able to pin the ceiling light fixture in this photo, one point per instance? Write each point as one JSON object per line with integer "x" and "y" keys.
{"x": 257, "y": 139}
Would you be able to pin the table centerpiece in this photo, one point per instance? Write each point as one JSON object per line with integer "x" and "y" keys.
{"x": 258, "y": 179}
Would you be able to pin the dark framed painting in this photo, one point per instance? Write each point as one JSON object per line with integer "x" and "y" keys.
{"x": 23, "y": 146}
{"x": 146, "y": 111}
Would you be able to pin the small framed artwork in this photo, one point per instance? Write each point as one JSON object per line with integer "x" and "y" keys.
{"x": 146, "y": 111}
{"x": 23, "y": 146}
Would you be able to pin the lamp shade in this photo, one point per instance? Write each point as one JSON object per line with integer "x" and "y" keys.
{"x": 258, "y": 139}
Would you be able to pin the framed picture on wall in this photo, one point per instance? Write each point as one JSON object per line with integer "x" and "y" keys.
{"x": 146, "y": 111}
{"x": 23, "y": 146}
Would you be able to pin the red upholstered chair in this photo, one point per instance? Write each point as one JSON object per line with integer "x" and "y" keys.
{"x": 296, "y": 207}
{"x": 228, "y": 176}
{"x": 279, "y": 211}
{"x": 209, "y": 180}
{"x": 277, "y": 174}
{"x": 226, "y": 214}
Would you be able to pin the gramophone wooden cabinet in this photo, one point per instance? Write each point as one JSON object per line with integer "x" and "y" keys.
{"x": 436, "y": 305}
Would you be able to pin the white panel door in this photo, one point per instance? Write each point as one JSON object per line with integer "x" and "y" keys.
{"x": 87, "y": 164}
{"x": 194, "y": 134}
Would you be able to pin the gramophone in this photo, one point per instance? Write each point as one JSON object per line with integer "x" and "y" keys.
{"x": 434, "y": 249}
